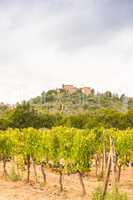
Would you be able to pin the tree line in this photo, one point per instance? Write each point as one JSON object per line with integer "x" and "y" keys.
{"x": 26, "y": 115}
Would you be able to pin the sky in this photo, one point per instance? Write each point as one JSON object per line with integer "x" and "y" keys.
{"x": 47, "y": 43}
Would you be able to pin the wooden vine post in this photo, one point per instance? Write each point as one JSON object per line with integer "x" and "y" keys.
{"x": 104, "y": 161}
{"x": 111, "y": 164}
{"x": 106, "y": 177}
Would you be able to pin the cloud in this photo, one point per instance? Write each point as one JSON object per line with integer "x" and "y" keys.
{"x": 91, "y": 23}
{"x": 70, "y": 23}
{"x": 46, "y": 43}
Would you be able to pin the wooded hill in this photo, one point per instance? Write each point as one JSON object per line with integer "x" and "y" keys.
{"x": 60, "y": 108}
{"x": 62, "y": 101}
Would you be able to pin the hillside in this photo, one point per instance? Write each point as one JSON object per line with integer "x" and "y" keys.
{"x": 78, "y": 102}
{"x": 63, "y": 108}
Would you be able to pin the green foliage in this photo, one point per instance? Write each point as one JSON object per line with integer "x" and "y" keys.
{"x": 76, "y": 121}
{"x": 116, "y": 196}
{"x": 31, "y": 143}
{"x": 24, "y": 116}
{"x": 13, "y": 176}
{"x": 82, "y": 151}
{"x": 7, "y": 144}
{"x": 97, "y": 195}
{"x": 123, "y": 145}
{"x": 40, "y": 116}
{"x": 68, "y": 150}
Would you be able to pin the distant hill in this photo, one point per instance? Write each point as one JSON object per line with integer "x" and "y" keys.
{"x": 77, "y": 107}
{"x": 61, "y": 100}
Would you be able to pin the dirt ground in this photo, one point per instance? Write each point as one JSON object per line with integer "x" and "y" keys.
{"x": 72, "y": 191}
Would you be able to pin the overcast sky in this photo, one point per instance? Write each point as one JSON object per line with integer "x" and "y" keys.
{"x": 45, "y": 43}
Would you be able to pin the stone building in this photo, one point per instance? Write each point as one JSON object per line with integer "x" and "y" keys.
{"x": 86, "y": 90}
{"x": 69, "y": 88}
{"x": 72, "y": 89}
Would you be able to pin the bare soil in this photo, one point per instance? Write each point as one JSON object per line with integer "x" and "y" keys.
{"x": 20, "y": 190}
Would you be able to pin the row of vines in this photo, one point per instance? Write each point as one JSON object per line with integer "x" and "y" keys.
{"x": 67, "y": 151}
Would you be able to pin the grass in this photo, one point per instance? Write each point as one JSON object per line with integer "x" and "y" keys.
{"x": 113, "y": 195}
{"x": 13, "y": 176}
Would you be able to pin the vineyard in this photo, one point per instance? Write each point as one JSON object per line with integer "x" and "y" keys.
{"x": 67, "y": 151}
